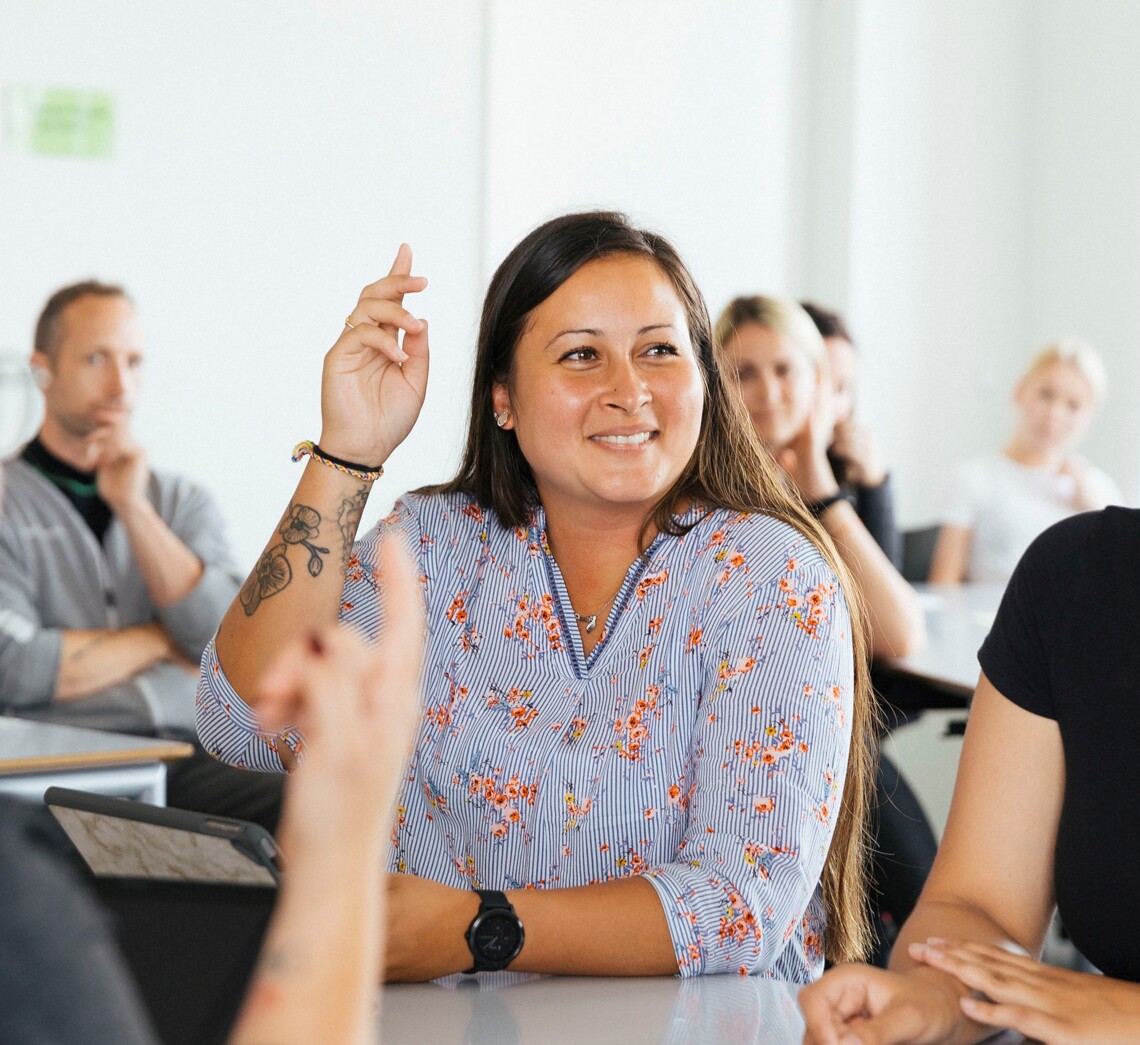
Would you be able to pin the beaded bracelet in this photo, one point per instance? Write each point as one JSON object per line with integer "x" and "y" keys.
{"x": 307, "y": 448}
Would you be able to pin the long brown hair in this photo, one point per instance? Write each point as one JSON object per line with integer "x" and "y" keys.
{"x": 729, "y": 469}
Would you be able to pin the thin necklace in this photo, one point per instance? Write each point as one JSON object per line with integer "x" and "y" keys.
{"x": 591, "y": 619}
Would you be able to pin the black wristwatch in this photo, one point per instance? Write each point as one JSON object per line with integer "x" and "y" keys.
{"x": 495, "y": 935}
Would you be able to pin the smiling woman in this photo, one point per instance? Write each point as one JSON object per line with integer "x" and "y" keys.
{"x": 645, "y": 742}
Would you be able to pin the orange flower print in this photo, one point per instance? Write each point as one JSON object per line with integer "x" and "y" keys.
{"x": 694, "y": 639}
{"x": 575, "y": 811}
{"x": 577, "y": 728}
{"x": 738, "y": 922}
{"x": 455, "y": 612}
{"x": 539, "y": 614}
{"x": 649, "y": 582}
{"x": 763, "y": 803}
{"x": 631, "y": 729}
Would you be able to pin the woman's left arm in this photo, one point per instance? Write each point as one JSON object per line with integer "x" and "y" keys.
{"x": 897, "y": 626}
{"x": 611, "y": 929}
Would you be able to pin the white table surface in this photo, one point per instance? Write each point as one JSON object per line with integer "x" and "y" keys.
{"x": 958, "y": 618}
{"x": 508, "y": 1009}
{"x": 36, "y": 755}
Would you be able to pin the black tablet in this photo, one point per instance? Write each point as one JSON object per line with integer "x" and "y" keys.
{"x": 122, "y": 838}
{"x": 189, "y": 898}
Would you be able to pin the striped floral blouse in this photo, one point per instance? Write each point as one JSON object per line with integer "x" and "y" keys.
{"x": 703, "y": 743}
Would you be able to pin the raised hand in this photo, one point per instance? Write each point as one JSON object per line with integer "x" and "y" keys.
{"x": 857, "y": 446}
{"x": 372, "y": 388}
{"x": 805, "y": 458}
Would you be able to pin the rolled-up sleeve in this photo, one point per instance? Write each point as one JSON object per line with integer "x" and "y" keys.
{"x": 227, "y": 725}
{"x": 765, "y": 775}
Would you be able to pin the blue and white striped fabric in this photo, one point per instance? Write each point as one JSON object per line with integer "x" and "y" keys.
{"x": 703, "y": 743}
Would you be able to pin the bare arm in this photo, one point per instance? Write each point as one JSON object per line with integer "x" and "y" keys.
{"x": 320, "y": 961}
{"x": 951, "y": 554}
{"x": 991, "y": 884}
{"x": 169, "y": 569}
{"x": 371, "y": 394}
{"x": 297, "y": 582}
{"x": 568, "y": 931}
{"x": 93, "y": 660}
{"x": 896, "y": 618}
{"x": 1007, "y": 805}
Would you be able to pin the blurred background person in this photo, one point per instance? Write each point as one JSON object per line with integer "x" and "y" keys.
{"x": 781, "y": 365}
{"x": 998, "y": 503}
{"x": 781, "y": 368}
{"x": 113, "y": 575}
{"x": 854, "y": 454}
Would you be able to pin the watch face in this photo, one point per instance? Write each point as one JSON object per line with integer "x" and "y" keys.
{"x": 497, "y": 936}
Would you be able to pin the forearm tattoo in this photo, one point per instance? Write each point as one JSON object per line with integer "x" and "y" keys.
{"x": 273, "y": 573}
{"x": 348, "y": 519}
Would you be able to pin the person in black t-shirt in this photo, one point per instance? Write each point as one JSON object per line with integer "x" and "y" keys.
{"x": 1043, "y": 816}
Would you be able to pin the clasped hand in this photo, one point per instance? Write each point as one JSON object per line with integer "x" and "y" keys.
{"x": 860, "y": 1005}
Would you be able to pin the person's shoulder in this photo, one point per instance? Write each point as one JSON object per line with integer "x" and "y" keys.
{"x": 765, "y": 543}
{"x": 20, "y": 486}
{"x": 436, "y": 514}
{"x": 1108, "y": 536}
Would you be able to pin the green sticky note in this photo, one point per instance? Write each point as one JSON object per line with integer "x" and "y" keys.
{"x": 59, "y": 121}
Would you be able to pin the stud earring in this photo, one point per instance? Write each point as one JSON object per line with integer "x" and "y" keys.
{"x": 502, "y": 417}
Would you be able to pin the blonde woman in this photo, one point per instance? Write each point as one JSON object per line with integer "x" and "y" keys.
{"x": 779, "y": 361}
{"x": 999, "y": 503}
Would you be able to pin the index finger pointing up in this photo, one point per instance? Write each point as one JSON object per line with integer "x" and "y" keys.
{"x": 402, "y": 266}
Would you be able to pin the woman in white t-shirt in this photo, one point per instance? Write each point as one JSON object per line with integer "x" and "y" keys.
{"x": 1000, "y": 502}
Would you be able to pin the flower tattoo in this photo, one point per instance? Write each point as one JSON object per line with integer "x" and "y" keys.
{"x": 270, "y": 576}
{"x": 273, "y": 573}
{"x": 301, "y": 526}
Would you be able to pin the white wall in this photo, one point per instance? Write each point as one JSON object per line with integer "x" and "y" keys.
{"x": 1084, "y": 196}
{"x": 995, "y": 204}
{"x": 271, "y": 155}
{"x": 682, "y": 121}
{"x": 960, "y": 176}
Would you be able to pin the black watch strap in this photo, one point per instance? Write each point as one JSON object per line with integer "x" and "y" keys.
{"x": 495, "y": 935}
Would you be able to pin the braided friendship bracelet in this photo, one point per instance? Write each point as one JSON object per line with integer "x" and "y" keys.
{"x": 307, "y": 448}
